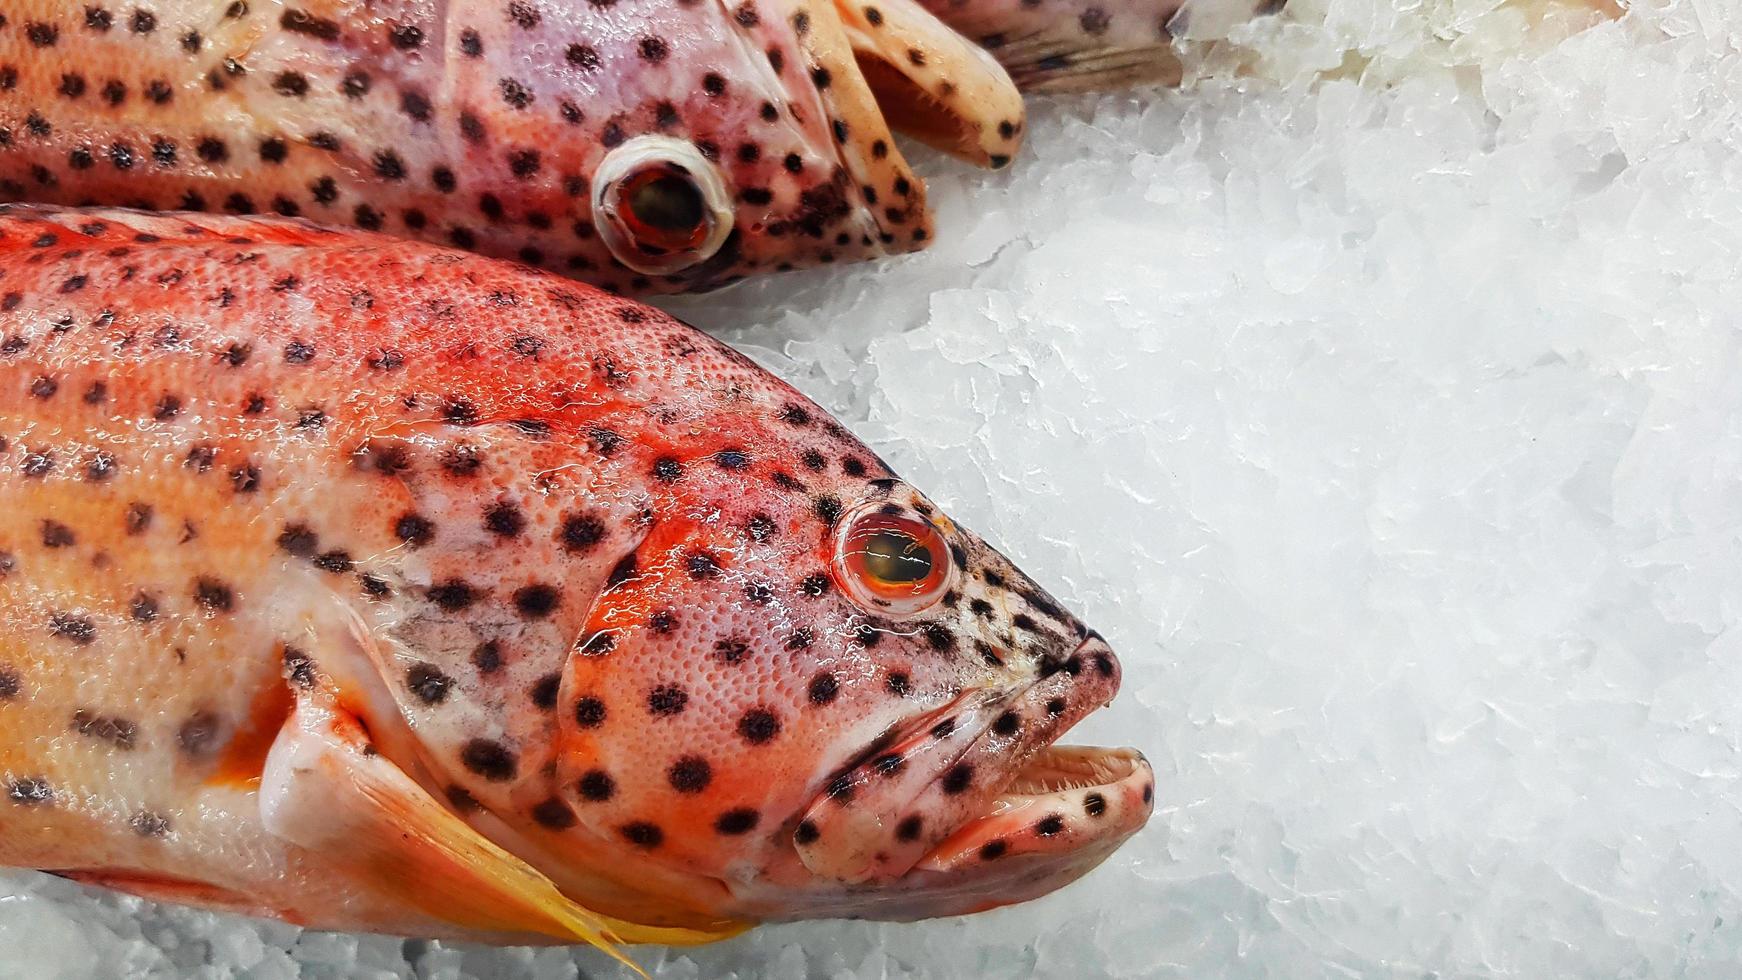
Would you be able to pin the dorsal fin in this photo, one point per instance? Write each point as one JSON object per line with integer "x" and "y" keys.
{"x": 27, "y": 226}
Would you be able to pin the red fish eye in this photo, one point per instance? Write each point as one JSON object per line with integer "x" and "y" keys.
{"x": 660, "y": 205}
{"x": 893, "y": 561}
{"x": 663, "y": 209}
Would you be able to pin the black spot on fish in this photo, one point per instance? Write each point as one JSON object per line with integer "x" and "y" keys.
{"x": 596, "y": 785}
{"x": 554, "y": 814}
{"x": 667, "y": 700}
{"x": 452, "y": 595}
{"x": 544, "y": 691}
{"x": 489, "y": 759}
{"x": 537, "y": 601}
{"x": 589, "y": 712}
{"x": 824, "y": 688}
{"x": 690, "y": 774}
{"x": 758, "y": 726}
{"x": 958, "y": 778}
{"x": 28, "y": 790}
{"x": 428, "y": 683}
{"x": 735, "y": 822}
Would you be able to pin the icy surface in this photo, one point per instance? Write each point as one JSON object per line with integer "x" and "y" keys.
{"x": 1380, "y": 397}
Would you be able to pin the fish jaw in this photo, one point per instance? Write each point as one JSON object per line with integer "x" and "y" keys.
{"x": 1066, "y": 811}
{"x": 877, "y": 819}
{"x": 974, "y": 806}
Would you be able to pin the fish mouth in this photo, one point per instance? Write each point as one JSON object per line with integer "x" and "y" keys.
{"x": 1061, "y": 815}
{"x": 976, "y": 806}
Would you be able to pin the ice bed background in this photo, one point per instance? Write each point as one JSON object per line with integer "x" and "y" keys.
{"x": 1380, "y": 397}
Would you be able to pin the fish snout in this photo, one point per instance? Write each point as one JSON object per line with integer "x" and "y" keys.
{"x": 880, "y": 817}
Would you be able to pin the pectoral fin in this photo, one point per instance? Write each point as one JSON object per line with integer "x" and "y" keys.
{"x": 931, "y": 83}
{"x": 327, "y": 789}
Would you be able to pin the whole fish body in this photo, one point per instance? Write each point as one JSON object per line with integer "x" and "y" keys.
{"x": 378, "y": 586}
{"x": 645, "y": 147}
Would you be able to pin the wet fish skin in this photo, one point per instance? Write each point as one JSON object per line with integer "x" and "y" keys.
{"x": 492, "y": 125}
{"x": 376, "y": 586}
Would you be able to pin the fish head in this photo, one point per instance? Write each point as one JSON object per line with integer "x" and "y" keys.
{"x": 694, "y": 145}
{"x": 831, "y": 700}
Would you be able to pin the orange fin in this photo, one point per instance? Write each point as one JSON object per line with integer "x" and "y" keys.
{"x": 327, "y": 789}
{"x": 167, "y": 888}
{"x": 933, "y": 84}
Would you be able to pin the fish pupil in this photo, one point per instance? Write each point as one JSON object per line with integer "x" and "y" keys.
{"x": 891, "y": 556}
{"x": 667, "y": 203}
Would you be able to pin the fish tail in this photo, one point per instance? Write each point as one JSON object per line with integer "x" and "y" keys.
{"x": 1078, "y": 45}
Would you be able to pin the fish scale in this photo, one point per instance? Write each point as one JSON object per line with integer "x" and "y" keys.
{"x": 550, "y": 601}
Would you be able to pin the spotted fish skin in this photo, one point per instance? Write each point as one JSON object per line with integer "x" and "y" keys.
{"x": 545, "y": 568}
{"x": 486, "y": 124}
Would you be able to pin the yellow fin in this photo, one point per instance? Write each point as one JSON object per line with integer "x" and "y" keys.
{"x": 326, "y": 789}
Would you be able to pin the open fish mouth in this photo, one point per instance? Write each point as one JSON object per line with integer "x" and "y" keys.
{"x": 1058, "y": 817}
{"x": 977, "y": 805}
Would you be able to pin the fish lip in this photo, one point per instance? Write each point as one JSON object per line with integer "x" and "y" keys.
{"x": 1083, "y": 657}
{"x": 1111, "y": 790}
{"x": 855, "y": 824}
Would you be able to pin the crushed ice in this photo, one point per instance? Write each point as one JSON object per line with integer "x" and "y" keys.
{"x": 1380, "y": 397}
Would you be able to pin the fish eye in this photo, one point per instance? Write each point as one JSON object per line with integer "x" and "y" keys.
{"x": 892, "y": 562}
{"x": 664, "y": 207}
{"x": 660, "y": 206}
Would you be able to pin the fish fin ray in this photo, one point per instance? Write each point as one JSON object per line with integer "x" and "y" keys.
{"x": 26, "y": 226}
{"x": 932, "y": 84}
{"x": 1082, "y": 45}
{"x": 326, "y": 789}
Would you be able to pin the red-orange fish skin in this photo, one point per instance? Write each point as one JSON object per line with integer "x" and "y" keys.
{"x": 569, "y": 563}
{"x": 483, "y": 124}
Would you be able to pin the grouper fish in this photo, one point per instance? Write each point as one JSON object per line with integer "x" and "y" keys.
{"x": 646, "y": 147}
{"x": 376, "y": 585}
